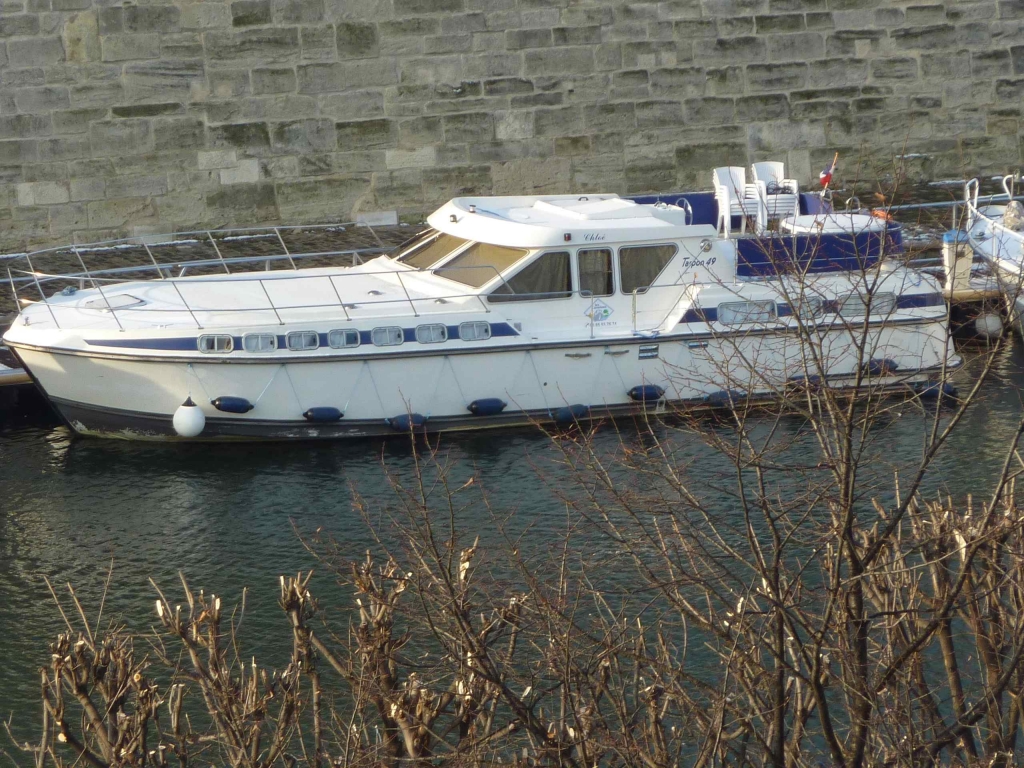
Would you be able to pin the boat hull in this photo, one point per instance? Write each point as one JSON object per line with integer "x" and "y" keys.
{"x": 136, "y": 398}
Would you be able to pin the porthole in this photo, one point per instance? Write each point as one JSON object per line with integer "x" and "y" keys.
{"x": 431, "y": 334}
{"x": 343, "y": 338}
{"x": 216, "y": 343}
{"x": 259, "y": 342}
{"x": 299, "y": 341}
{"x": 475, "y": 331}
{"x": 388, "y": 336}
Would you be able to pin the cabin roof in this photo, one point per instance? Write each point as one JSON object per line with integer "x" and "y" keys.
{"x": 555, "y": 220}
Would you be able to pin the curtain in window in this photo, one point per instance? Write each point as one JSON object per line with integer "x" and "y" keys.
{"x": 640, "y": 266}
{"x": 480, "y": 263}
{"x": 546, "y": 278}
{"x": 595, "y": 271}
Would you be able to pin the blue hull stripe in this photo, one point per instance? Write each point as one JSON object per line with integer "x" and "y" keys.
{"x": 191, "y": 343}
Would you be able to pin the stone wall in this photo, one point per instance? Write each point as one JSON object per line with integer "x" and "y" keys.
{"x": 132, "y": 117}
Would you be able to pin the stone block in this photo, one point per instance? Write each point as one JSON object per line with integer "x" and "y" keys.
{"x": 331, "y": 197}
{"x": 924, "y": 38}
{"x": 731, "y": 50}
{"x": 162, "y": 19}
{"x": 110, "y": 20}
{"x": 259, "y": 200}
{"x": 829, "y": 73}
{"x": 43, "y": 193}
{"x": 366, "y": 134}
{"x": 129, "y": 47}
{"x": 202, "y": 15}
{"x": 278, "y": 80}
{"x": 19, "y": 25}
{"x": 657, "y": 114}
{"x": 250, "y": 137}
{"x": 136, "y": 186}
{"x": 513, "y": 125}
{"x": 91, "y": 188}
{"x": 503, "y": 86}
{"x": 462, "y": 23}
{"x": 709, "y": 111}
{"x": 764, "y": 107}
{"x": 318, "y": 42}
{"x": 468, "y": 128}
{"x": 250, "y": 13}
{"x": 181, "y": 45}
{"x": 214, "y": 159}
{"x": 297, "y": 136}
{"x": 583, "y": 35}
{"x": 945, "y": 65}
{"x": 559, "y": 61}
{"x": 43, "y": 99}
{"x": 529, "y": 100}
{"x": 678, "y": 81}
{"x": 610, "y": 117}
{"x": 776, "y": 77}
{"x": 147, "y": 110}
{"x": 424, "y": 157}
{"x": 357, "y": 41}
{"x": 1017, "y": 58}
{"x": 111, "y": 138}
{"x": 779, "y": 22}
{"x": 343, "y": 76}
{"x": 298, "y": 11}
{"x": 164, "y": 80}
{"x": 61, "y": 148}
{"x": 448, "y": 44}
{"x": 484, "y": 65}
{"x": 266, "y": 45}
{"x": 25, "y": 126}
{"x": 70, "y": 5}
{"x": 926, "y": 14}
{"x": 353, "y": 104}
{"x": 802, "y": 46}
{"x": 228, "y": 83}
{"x": 532, "y": 176}
{"x": 903, "y": 68}
{"x": 528, "y": 38}
{"x": 246, "y": 172}
{"x": 35, "y": 52}
{"x": 737, "y": 26}
{"x": 558, "y": 121}
{"x": 181, "y": 133}
{"x": 22, "y": 78}
{"x": 420, "y": 7}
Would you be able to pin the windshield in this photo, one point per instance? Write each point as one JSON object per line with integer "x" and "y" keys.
{"x": 480, "y": 263}
{"x": 429, "y": 249}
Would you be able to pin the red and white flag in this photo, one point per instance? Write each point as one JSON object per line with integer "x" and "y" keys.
{"x": 826, "y": 175}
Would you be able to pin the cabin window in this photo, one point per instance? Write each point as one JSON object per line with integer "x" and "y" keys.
{"x": 475, "y": 331}
{"x": 343, "y": 338}
{"x": 548, "y": 277}
{"x": 639, "y": 266}
{"x": 595, "y": 271}
{"x": 216, "y": 343}
{"x": 480, "y": 263}
{"x": 434, "y": 333}
{"x": 808, "y": 307}
{"x": 389, "y": 336}
{"x": 740, "y": 312}
{"x": 299, "y": 341}
{"x": 259, "y": 342}
{"x": 430, "y": 249}
{"x": 857, "y": 304}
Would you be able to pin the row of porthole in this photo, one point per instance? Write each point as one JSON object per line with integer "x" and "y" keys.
{"x": 342, "y": 338}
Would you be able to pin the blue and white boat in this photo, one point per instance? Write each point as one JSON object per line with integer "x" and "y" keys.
{"x": 995, "y": 232}
{"x": 504, "y": 311}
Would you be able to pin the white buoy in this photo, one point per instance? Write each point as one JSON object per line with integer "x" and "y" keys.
{"x": 189, "y": 420}
{"x": 989, "y": 325}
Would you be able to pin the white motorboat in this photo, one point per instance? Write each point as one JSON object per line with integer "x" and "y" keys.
{"x": 505, "y": 310}
{"x": 995, "y": 231}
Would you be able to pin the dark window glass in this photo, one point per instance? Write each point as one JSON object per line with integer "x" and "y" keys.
{"x": 639, "y": 266}
{"x": 546, "y": 278}
{"x": 431, "y": 249}
{"x": 595, "y": 272}
{"x": 480, "y": 263}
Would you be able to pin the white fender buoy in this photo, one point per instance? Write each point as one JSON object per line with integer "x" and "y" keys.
{"x": 989, "y": 325}
{"x": 189, "y": 419}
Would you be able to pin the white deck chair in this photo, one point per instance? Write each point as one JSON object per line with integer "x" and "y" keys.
{"x": 735, "y": 197}
{"x": 782, "y": 195}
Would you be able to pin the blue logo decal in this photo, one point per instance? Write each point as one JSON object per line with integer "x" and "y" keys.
{"x": 601, "y": 312}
